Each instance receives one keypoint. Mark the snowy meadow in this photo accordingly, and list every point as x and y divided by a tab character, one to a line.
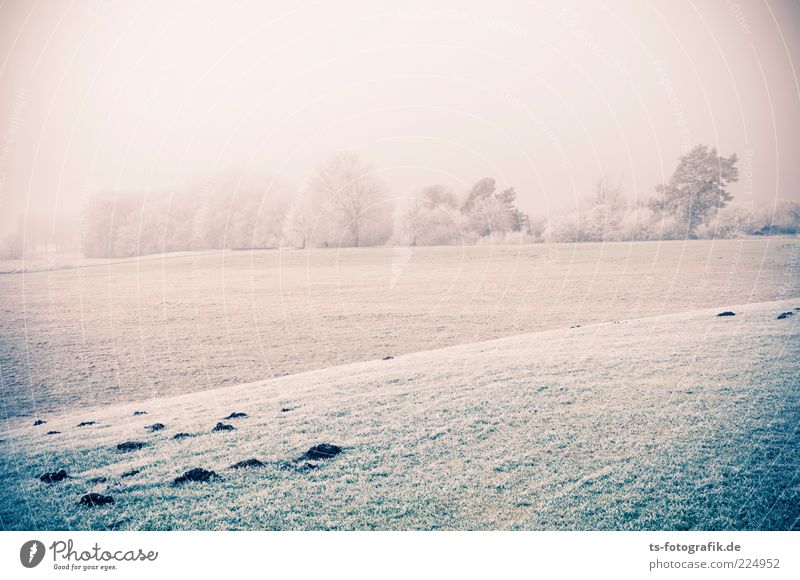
565	386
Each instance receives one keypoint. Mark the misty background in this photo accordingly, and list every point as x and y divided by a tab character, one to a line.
232	111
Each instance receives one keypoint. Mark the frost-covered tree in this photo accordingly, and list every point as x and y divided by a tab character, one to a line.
733	221
439	196
697	189
431	219
96	230
603	213
517	220
490	212
237	210
479	194
228	212
355	200
300	220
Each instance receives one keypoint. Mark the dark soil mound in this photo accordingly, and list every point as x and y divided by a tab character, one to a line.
785	315
247	463
196	474
322	451
181	436
95	499
38	422
155	427
137	413
223	427
96	480
131	473
54	476
54	432
236	415
86	423
727	313
130	446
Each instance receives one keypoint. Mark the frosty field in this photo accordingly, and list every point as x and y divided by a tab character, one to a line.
540	387
684	421
134	330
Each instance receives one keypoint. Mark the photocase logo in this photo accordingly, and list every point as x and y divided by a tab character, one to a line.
31	553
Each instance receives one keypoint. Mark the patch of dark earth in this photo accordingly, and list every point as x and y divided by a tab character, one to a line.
54	476
130	446
248	464
236	415
196	474
322	451
95	500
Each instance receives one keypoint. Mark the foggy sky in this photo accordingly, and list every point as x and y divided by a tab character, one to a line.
545	96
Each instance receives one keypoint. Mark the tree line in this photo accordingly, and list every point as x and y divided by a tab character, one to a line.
347	204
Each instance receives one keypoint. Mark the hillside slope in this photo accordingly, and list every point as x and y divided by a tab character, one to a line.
686	421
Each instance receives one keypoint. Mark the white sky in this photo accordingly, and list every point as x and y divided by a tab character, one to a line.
545	96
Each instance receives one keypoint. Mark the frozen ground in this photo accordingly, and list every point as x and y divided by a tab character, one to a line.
95	336
46	261
680	421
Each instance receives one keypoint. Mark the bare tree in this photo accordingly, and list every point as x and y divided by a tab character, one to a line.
603	212
346	185
412	222
300	221
609	195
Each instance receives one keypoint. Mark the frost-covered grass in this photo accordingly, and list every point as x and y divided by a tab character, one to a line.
680	421
47	261
102	335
